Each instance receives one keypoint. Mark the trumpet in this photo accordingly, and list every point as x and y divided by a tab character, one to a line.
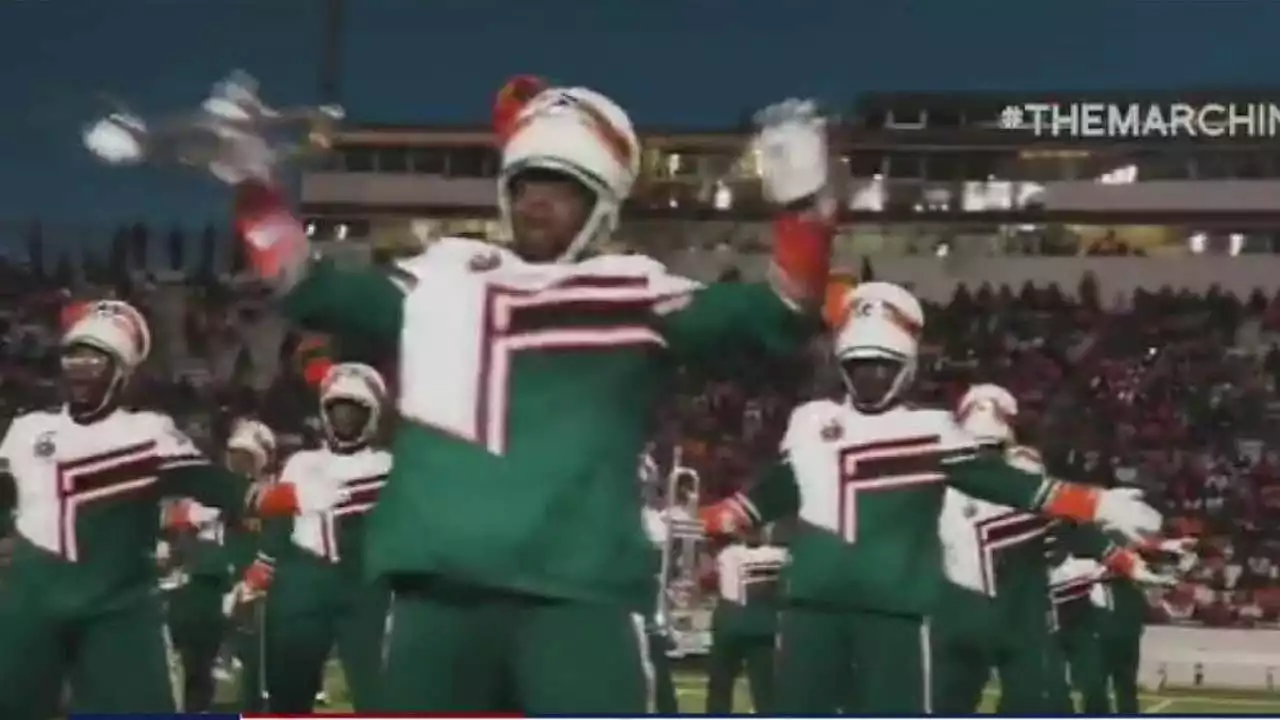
679	593
231	122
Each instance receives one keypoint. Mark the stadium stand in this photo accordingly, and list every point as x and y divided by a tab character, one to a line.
1168	390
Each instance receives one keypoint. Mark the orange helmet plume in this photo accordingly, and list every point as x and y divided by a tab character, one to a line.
512	98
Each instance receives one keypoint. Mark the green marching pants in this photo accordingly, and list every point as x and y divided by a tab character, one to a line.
314	606
1082	647
457	647
248	639
734	648
1120	653
974	634
196	626
658	650
862	662
1122	624
1058	691
115	658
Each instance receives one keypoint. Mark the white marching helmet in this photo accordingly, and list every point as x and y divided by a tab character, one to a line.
884	321
584	135
988	412
254	438
112	326
357	383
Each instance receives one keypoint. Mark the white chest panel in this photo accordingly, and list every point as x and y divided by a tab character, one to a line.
974	531
740	566
362	473
465	298
60	466
826	442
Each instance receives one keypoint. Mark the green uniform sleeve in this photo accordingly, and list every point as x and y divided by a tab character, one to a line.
989	477
274	539
242	543
361	304
209	485
774	496
1129	612
1085	541
732	316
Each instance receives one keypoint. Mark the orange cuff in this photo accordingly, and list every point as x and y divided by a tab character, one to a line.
277	500
315	370
802	254
259	575
723	518
177	515
1121	562
1072	501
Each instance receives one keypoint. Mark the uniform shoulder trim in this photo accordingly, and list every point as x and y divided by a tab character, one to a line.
296	463
155	422
1024	458
808	420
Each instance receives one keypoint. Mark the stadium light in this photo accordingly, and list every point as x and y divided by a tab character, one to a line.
723	198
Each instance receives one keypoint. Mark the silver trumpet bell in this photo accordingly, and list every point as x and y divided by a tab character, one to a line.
232	130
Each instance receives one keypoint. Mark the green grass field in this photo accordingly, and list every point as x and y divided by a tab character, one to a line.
691	689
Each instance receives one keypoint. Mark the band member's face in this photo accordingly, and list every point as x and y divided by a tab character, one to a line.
547	211
347	418
87	373
242	462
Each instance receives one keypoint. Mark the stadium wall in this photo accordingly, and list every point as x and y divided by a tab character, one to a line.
1174	656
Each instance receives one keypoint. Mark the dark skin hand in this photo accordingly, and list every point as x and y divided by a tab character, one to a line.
548	209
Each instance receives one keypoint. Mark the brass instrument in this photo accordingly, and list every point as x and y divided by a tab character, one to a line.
681	606
218	133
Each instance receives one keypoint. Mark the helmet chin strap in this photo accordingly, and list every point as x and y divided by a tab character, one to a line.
600	222
596	226
362	439
110	394
900	382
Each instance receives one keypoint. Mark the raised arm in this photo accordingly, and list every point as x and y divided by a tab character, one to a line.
716	322
1018	479
316	294
781	315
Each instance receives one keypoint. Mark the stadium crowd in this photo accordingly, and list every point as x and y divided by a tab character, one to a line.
1167	390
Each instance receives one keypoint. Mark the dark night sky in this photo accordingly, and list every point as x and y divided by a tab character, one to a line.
671	62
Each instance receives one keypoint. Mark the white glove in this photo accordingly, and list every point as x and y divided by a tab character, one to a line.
202	515
314	497
1144	575
792	144
1122	510
1183	548
115	139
